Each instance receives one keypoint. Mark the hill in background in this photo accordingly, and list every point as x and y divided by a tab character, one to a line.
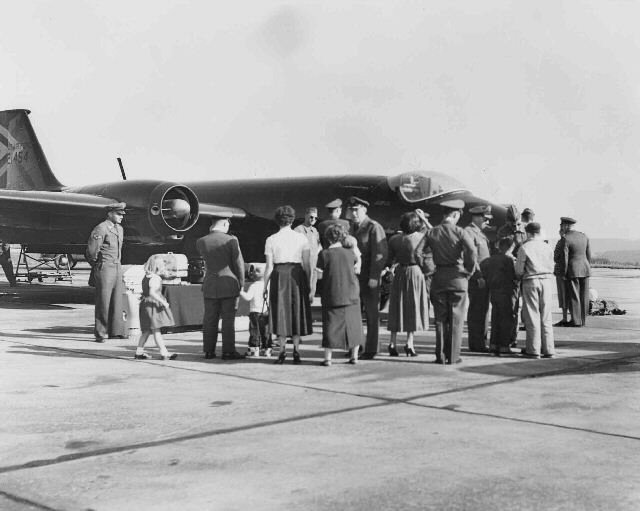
611	250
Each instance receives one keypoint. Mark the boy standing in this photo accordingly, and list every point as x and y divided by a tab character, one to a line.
500	276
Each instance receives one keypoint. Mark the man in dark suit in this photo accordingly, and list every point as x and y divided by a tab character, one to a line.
575	266
372	242
454	255
223	280
104	250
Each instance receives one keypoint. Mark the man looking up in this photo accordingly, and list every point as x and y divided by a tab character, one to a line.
455	258
478	291
104	250
372	242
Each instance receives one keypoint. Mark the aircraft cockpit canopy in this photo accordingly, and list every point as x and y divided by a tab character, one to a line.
418	186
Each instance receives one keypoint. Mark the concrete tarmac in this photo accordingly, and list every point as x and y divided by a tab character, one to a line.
86	427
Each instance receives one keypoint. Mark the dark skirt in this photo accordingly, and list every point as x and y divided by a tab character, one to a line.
154	315
342	327
289	308
409	301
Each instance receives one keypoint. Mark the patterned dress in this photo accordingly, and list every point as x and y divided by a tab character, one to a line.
153	314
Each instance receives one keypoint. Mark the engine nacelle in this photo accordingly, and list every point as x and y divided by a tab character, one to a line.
157	211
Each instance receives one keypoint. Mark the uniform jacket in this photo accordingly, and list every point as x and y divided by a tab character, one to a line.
372	242
105	243
314	241
481	243
452	248
575	255
224	265
322	227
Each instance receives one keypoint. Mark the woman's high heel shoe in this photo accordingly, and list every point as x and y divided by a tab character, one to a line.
296	357
280	359
393	352
410	352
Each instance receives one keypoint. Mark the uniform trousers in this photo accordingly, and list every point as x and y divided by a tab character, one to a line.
562	292
370	299
477	316
449	298
214	310
577	299
537	295
504	316
109	300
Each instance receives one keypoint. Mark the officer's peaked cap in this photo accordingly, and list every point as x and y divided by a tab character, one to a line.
337	203
453	204
354	201
567	220
118	207
484	210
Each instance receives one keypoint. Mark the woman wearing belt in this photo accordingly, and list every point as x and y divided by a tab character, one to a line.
409	301
287	273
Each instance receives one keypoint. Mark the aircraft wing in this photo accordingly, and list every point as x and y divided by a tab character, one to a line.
75	203
216	210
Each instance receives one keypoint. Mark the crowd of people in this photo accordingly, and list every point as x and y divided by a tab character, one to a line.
454	269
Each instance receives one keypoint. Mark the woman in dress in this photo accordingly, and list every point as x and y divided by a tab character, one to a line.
287	275
341	317
408	301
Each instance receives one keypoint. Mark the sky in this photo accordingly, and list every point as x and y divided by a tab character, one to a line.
532	103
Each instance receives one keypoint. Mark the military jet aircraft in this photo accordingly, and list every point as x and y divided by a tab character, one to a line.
37	211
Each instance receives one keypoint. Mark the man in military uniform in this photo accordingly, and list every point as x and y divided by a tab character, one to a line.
311	233
7	264
478	291
454	255
334	210
103	253
513	230
575	267
223	280
372	243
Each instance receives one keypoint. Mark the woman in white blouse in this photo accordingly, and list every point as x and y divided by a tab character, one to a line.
287	274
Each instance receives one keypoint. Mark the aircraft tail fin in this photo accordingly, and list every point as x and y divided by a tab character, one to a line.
23	165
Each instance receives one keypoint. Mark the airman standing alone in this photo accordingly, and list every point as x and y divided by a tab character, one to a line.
104	251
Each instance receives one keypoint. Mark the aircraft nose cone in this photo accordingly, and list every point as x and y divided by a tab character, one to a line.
176	208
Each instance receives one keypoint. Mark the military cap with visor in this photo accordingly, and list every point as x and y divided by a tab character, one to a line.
354	202
116	207
337	203
567	220
482	210
454	204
